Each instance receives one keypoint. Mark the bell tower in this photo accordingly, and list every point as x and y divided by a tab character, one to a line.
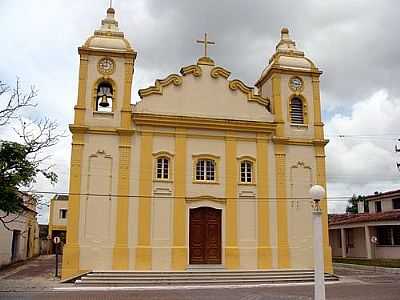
103	109
291	81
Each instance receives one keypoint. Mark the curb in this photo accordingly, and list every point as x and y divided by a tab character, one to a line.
369	268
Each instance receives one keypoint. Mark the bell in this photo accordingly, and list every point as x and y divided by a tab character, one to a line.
104	102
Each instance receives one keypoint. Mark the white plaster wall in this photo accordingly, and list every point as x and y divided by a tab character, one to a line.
204	96
21	224
334	239
57	205
392	252
300	177
196	146
98	213
358	249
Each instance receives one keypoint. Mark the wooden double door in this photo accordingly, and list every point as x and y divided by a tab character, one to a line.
205	236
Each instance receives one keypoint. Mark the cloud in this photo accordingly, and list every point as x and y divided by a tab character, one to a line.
363	160
354	43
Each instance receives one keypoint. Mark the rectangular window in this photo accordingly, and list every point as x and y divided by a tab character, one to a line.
384	235
205	170
162	171
378	206
396	203
396	235
63	213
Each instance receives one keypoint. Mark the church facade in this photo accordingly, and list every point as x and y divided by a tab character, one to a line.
203	170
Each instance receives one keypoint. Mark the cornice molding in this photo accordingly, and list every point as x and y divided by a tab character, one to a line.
107	52
220	72
145	119
251	96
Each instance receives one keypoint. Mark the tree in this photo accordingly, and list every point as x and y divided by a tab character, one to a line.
21	162
352	206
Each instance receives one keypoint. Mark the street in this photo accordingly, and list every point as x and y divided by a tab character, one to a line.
34	281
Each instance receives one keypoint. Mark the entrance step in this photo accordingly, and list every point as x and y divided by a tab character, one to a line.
197	277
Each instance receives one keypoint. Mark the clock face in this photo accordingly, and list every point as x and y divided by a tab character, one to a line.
106	66
296	84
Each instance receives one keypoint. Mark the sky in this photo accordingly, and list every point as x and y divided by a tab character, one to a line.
354	42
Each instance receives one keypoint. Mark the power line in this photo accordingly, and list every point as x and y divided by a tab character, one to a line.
245	198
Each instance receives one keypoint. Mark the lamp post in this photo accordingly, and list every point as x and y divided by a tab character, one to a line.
317	193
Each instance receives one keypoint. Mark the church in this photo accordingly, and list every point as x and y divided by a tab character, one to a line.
202	171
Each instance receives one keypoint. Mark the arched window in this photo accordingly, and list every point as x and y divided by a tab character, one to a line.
205	170
162	170
104	97
296	111
246	171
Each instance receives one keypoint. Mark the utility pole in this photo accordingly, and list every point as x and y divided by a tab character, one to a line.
397	149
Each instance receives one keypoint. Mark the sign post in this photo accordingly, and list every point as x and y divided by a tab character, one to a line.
56	241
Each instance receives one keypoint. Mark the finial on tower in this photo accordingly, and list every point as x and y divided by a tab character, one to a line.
111	10
284	33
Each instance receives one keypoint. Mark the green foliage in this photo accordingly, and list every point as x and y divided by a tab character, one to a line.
17	170
352	206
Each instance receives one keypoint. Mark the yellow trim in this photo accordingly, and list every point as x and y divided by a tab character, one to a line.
80	107
321	175
264	251
232	256
70	263
121	252
304	107
202	123
192	69
240	159
170	158
143	249
205	198
220	72
179	249
160	84
128	53
196	158
126	111
281	207
277	105
251	96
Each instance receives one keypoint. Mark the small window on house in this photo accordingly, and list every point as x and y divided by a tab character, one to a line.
162	170
378	206
205	170
396	203
296	111
384	235
104	97
63	213
246	171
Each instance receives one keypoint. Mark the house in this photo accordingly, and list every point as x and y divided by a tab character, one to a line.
19	234
58	214
202	170
373	234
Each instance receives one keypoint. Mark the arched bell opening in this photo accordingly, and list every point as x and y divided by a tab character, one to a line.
104	97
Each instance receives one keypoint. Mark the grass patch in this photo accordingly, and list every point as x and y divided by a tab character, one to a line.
387	263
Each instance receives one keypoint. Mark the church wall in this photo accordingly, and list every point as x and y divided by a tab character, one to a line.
272	204
162	208
247	210
300	177
133	201
98	212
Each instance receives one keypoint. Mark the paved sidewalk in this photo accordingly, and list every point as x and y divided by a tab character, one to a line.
36	274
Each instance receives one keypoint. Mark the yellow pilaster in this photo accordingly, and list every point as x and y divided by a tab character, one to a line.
121	251
80	107
281	207
264	252
280	175
321	175
179	250
232	258
70	264
143	249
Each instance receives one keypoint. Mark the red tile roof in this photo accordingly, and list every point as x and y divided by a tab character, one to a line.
393	215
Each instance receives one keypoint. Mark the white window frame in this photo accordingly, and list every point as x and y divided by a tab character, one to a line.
246	171
206	170
163	169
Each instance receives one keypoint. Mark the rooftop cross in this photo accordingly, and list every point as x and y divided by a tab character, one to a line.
206	42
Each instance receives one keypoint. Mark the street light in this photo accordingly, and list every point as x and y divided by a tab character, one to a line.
317	193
